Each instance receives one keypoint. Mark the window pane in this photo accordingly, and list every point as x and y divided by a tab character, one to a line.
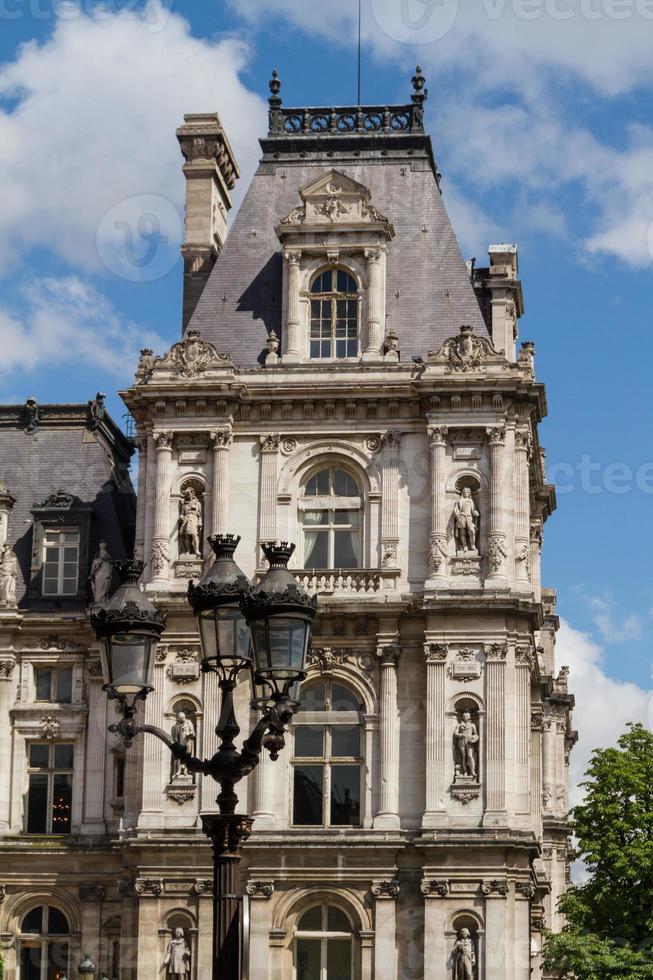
33	921
57	923
63	756
316	549
313	518
348	517
308	794
318	485
64	685
313	698
37	804
308	953
311	921
345	740
62	796
337	921
342	699
344	485
30	963
345	795
309	741
339	959
345	549
57	961
345	283
39	755
43	683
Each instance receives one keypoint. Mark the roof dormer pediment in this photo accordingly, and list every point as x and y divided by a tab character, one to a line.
335	199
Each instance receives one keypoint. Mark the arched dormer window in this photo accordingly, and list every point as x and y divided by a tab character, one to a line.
334	329
330	514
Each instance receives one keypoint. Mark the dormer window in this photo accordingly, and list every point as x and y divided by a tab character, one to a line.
335	303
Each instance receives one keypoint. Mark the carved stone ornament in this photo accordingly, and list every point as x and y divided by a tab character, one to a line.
326	658
288	446
464	353
496	651
270	443
148	886
389	554
49	727
525	656
60	501
192	356
160	556
181	793
437	551
260	889
372	444
437	435
466	666
7	668
496	553
465	789
527	890
3	892
385	889
436	652
466	566
495	888
201	886
430	887
388	655
221	438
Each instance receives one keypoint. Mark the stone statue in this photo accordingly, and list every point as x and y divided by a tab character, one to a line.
190	523
464	956
101	574
466	522
8	575
466	737
183	732
177	956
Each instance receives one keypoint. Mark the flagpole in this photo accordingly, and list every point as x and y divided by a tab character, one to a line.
360	3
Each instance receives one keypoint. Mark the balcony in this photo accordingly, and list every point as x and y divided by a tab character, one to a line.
348	581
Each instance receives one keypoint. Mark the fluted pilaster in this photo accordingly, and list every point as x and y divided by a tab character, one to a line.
436	665
160	556
388	814
522	509
221	441
293	347
497	549
438	537
495	685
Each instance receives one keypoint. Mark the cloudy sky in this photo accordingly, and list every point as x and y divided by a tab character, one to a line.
540	112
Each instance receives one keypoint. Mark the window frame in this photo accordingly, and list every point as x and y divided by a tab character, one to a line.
324	935
59	531
50	771
43	940
327	719
55	670
334	296
329	503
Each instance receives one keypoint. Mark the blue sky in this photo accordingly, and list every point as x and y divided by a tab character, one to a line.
540	113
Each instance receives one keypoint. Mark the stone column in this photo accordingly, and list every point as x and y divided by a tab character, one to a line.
495	753
537	539
436	664
388	814
268	496
522	509
264	776
523	662
260	893
293	351
151	814
549	764
7	698
94	781
385	929
438	537
536	773
221	441
211	700
495	932
141	500
160	556
497	549
375	305
390	442
435	942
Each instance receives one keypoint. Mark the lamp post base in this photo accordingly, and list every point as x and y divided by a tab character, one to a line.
226	832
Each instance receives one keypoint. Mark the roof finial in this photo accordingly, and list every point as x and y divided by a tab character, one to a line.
275	87
419	82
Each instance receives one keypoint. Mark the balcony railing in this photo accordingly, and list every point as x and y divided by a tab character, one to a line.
346	120
347	581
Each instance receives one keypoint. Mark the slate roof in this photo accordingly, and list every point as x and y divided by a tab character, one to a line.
69	449
429	294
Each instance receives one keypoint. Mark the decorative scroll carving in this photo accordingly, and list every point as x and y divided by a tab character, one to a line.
151	886
50	727
495	888
326	658
201	885
260	889
192	356
385	889
432	887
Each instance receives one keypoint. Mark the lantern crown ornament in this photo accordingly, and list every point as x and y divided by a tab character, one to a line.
128	628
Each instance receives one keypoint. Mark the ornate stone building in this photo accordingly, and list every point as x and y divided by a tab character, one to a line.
344	381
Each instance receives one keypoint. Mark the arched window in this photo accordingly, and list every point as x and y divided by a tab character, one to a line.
44	944
334	315
327	758
323	945
330	511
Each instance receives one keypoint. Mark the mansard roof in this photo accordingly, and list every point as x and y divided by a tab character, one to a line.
386	151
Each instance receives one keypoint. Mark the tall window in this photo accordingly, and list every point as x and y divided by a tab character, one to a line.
330	510
60	562
44	944
54	684
327	758
50	793
334	315
323	945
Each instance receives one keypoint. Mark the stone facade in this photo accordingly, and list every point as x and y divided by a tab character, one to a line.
422	791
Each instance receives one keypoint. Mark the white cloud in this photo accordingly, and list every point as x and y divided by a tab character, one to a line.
68	322
90	121
629	628
603	706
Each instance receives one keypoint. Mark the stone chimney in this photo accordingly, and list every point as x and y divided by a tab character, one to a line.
211	172
507	303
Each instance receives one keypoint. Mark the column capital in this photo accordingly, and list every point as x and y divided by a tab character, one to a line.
373	255
525	657
523	441
496	652
436	652
293	256
499	888
260	889
221	438
496	435
270	443
391	439
385	889
437	435
430	888
163	440
7	665
388	654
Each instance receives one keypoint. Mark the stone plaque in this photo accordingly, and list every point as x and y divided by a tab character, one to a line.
189	568
466	452
184	671
464	887
469	565
465	668
192	455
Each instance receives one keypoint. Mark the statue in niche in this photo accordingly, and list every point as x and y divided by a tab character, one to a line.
101	574
466	739
464	956
183	732
190	523
177	958
8	575
466	517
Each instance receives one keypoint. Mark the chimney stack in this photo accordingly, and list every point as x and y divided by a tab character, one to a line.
211	172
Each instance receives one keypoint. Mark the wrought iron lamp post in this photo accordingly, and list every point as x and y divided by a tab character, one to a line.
272	621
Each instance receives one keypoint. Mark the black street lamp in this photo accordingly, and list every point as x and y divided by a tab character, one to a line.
272	621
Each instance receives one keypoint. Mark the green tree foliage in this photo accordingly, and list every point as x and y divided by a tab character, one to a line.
610	917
